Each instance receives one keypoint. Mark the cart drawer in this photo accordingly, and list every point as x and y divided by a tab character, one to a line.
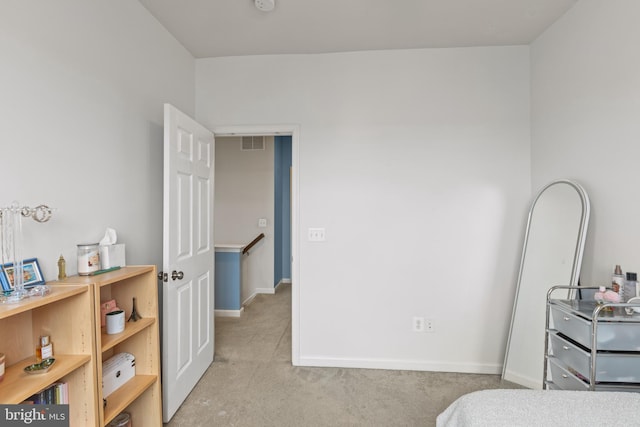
611	336
610	367
563	379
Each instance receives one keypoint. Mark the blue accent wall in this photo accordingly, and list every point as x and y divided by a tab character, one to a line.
282	214
228	280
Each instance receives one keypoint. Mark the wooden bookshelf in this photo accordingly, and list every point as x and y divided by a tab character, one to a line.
66	315
140	396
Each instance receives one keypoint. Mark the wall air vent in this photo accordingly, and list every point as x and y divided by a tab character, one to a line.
252	143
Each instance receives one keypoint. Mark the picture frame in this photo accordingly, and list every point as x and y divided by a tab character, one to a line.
31	272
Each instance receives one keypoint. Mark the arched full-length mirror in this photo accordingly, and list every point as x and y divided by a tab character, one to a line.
551	255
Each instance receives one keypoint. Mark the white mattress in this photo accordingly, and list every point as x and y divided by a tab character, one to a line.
537	408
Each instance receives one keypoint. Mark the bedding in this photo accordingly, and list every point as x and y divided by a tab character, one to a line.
537	408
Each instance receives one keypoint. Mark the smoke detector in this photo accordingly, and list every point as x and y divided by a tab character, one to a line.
265	5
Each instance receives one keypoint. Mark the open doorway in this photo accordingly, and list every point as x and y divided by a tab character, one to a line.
293	133
282	210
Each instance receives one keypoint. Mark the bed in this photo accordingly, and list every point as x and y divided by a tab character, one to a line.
536	408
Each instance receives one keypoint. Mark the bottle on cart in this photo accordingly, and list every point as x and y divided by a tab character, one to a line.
631	286
617	283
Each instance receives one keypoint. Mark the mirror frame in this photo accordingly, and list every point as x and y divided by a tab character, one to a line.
575	269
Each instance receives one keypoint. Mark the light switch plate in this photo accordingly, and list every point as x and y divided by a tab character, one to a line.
262	222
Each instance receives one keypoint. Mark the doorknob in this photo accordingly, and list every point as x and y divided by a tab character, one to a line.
177	275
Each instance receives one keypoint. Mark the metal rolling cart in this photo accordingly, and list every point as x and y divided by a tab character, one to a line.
591	346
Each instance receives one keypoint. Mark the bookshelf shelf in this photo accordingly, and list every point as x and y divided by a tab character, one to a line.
18	385
131	328
125	395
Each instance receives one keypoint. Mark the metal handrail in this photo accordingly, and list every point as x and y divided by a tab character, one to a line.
252	244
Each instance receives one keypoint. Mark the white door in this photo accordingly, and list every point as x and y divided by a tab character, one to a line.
188	257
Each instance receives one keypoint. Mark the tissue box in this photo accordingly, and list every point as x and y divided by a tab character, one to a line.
112	256
116	371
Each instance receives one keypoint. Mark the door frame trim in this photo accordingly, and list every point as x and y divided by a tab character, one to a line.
294	131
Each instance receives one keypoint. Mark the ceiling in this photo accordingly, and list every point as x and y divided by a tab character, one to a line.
211	28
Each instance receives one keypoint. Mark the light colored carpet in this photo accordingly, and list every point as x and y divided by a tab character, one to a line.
252	382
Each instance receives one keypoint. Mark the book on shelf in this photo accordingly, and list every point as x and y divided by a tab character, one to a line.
55	394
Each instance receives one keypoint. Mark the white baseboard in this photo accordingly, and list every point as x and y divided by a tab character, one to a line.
228	313
401	365
267	291
249	300
272	290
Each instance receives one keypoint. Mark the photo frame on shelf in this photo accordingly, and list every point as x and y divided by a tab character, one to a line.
31	273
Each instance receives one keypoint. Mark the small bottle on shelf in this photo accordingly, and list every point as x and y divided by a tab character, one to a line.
44	350
62	266
617	282
631	286
599	296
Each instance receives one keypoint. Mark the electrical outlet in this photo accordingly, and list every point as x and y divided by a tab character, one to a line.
316	235
429	326
418	324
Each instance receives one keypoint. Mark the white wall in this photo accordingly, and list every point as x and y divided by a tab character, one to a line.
245	193
417	164
585	110
82	87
